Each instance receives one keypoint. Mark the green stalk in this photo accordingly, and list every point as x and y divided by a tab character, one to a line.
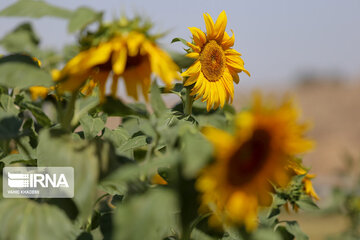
188	102
69	112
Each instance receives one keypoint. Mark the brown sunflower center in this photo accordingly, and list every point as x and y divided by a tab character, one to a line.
212	59
249	158
134	61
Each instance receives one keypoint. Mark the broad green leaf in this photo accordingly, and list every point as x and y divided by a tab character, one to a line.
196	152
91	126
132	143
82	17
115	107
7	103
293	228
306	203
151	216
83	106
266	234
156	100
9	128
38	113
22	75
117	136
117	182
26	219
34	9
181	60
12	158
199	235
21	39
89	160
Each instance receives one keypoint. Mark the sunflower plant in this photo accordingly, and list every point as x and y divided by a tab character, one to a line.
197	169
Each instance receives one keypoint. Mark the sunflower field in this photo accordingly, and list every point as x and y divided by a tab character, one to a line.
180	161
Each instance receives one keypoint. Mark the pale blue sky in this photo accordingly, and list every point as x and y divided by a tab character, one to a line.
278	38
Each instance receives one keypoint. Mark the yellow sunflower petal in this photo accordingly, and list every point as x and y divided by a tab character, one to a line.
220	26
193	69
198	36
193	55
228	41
210	29
119	61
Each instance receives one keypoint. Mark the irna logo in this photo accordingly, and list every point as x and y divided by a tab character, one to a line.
19	180
38	182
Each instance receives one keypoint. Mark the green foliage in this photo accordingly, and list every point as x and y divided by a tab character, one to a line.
82	17
34	9
16	73
22	218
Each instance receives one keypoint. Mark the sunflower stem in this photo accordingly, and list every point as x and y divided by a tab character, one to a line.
69	112
188	102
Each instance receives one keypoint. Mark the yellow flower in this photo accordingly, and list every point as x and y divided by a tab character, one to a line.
131	56
238	182
217	65
39	92
297	169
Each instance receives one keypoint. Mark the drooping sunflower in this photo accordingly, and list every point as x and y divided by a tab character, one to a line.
296	168
217	65
132	56
238	182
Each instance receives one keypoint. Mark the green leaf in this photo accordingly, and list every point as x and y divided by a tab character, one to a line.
22	75
194	144
133	143
27	219
89	160
117	182
83	106
156	100
21	39
179	40
9	128
115	107
293	228
39	115
12	158
7	103
82	17
149	216
117	136
91	126
266	234
306	203
34	9
199	235
181	60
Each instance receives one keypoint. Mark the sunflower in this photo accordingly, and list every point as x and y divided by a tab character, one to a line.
238	182
217	65
130	55
296	168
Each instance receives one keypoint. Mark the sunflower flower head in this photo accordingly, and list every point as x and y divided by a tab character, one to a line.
216	66
248	161
123	49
